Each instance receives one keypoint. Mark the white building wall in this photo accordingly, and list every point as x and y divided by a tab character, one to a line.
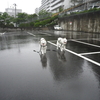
37	11
11	11
67	4
54	5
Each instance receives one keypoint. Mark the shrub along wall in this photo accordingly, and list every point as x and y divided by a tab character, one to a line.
86	22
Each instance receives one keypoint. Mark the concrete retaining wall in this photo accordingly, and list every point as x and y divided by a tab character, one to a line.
89	22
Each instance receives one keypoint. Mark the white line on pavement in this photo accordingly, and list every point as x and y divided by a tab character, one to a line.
89	53
86	43
46	34
94	62
30	33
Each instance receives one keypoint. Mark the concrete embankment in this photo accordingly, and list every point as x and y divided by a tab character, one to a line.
87	22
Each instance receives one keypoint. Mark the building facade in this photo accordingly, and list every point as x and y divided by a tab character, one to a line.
55	5
12	11
37	11
51	5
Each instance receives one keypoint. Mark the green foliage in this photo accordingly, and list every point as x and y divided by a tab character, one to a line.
9	25
74	13
26	25
5	15
51	24
43	12
22	25
46	22
5	20
21	17
60	9
31	16
25	21
37	24
31	24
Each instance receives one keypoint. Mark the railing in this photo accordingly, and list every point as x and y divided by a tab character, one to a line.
62	15
54	3
56	6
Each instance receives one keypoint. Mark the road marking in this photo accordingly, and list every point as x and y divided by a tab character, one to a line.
94	62
98	39
30	33
86	43
46	34
89	53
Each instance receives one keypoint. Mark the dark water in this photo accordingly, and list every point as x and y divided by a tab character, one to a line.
26	75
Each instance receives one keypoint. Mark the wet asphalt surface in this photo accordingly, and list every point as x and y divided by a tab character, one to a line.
27	75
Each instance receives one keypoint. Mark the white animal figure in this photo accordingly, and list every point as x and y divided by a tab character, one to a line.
43	46
61	43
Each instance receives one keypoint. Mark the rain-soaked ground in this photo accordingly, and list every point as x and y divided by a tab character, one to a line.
27	75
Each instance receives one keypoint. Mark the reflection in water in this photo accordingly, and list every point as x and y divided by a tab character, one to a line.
76	35
96	72
43	60
8	41
21	79
76	75
63	70
3	40
61	55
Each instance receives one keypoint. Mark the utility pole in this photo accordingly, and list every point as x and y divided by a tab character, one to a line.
15	14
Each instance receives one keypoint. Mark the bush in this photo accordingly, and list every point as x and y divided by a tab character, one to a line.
45	22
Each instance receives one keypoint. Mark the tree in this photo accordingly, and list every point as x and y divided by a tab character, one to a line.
22	26
21	17
43	12
4	19
31	17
